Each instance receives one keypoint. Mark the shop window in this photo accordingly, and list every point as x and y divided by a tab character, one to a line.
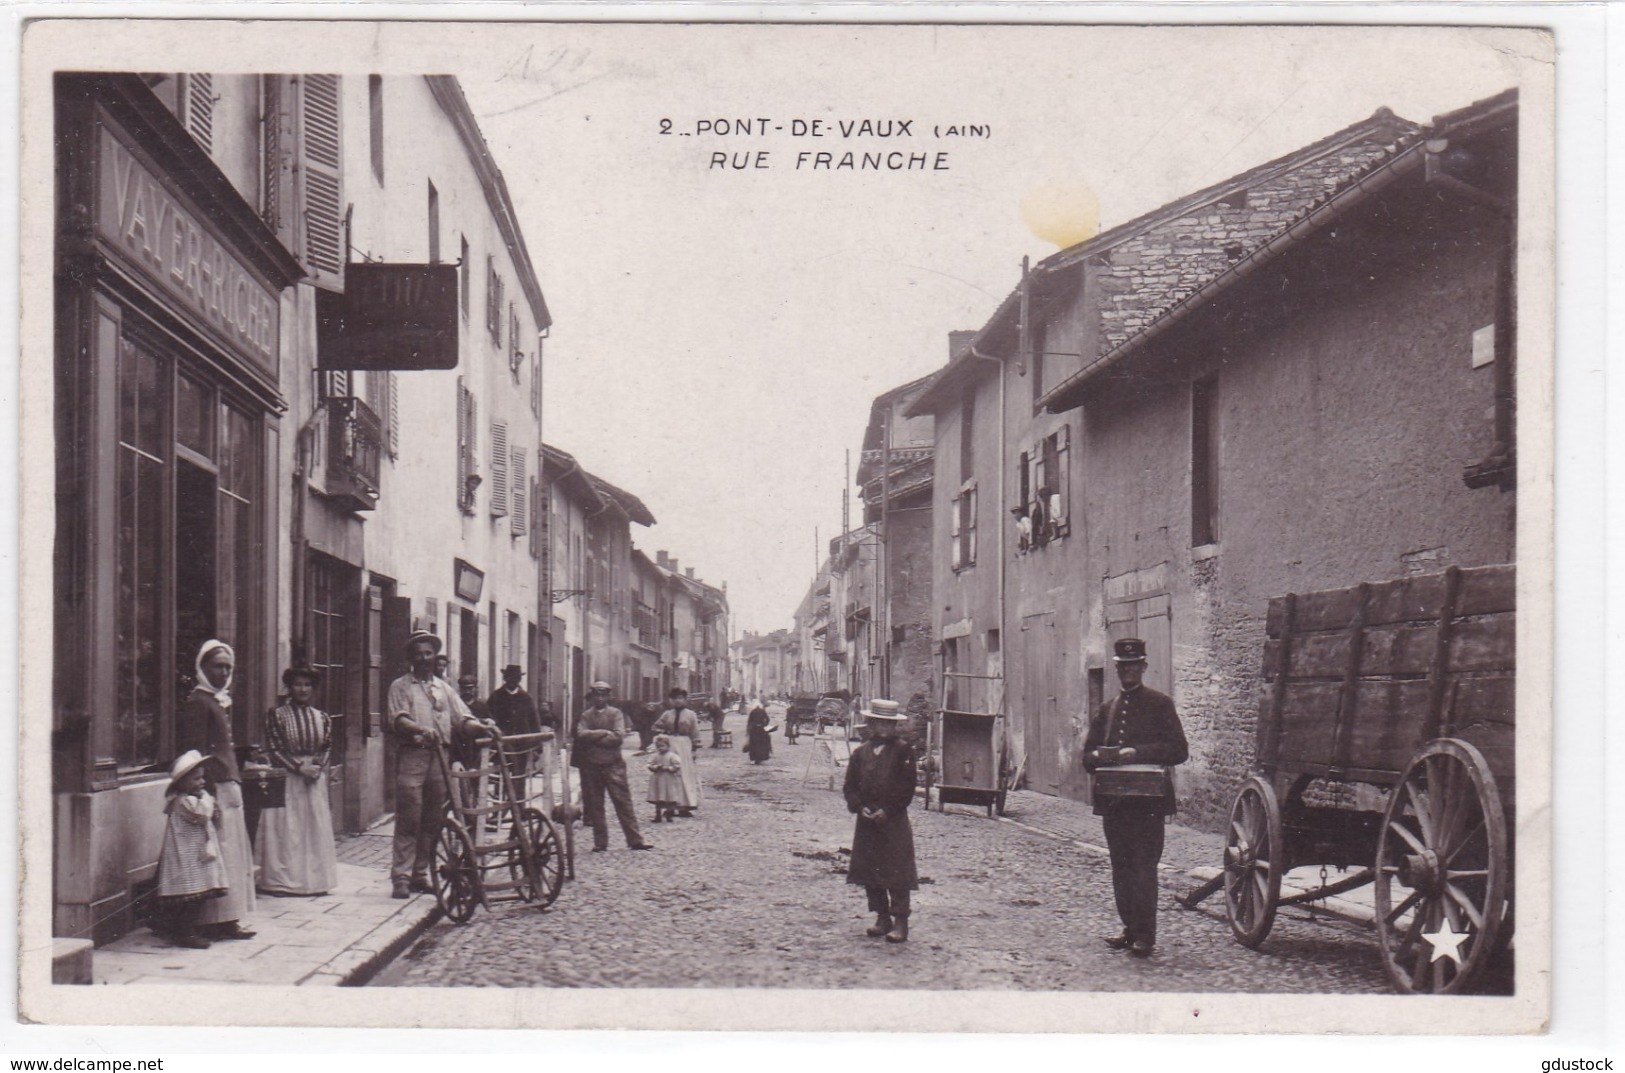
190	559
335	613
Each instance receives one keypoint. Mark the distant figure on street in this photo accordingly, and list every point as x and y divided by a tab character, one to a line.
758	736
423	713
596	753
643	721
466	750
442	668
190	872
679	722
1138	726
718	716
665	779
880	781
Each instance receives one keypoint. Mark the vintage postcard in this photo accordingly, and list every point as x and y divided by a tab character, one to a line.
915	527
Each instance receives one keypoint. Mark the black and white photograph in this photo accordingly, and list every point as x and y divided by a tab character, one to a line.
1049	525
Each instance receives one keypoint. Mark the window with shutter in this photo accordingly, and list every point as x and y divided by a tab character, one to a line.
536	380
463	273
499	469
493	301
198	105
467	468
521	491
320	176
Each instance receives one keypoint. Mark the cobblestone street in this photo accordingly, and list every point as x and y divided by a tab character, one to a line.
750	893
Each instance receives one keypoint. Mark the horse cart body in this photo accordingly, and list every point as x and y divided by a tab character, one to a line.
1385	740
497	843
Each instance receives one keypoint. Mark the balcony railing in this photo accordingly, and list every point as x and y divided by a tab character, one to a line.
354	452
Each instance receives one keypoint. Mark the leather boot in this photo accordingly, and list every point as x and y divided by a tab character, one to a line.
881	926
899	931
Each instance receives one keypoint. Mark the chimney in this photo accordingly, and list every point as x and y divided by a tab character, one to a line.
958	341
689	573
671	564
662	560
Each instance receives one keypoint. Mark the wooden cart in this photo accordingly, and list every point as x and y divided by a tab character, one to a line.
1385	739
497	842
967	754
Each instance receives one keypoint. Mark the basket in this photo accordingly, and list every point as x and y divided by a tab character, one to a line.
265	788
1132	780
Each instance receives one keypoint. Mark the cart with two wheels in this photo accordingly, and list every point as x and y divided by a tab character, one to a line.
1385	741
497	843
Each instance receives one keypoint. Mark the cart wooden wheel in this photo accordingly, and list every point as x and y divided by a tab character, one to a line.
1253	862
455	875
1441	871
543	880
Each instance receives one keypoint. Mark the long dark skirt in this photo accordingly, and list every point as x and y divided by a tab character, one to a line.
759	745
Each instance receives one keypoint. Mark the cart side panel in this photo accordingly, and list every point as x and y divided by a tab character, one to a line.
1308	719
968	757
1487	590
1483	645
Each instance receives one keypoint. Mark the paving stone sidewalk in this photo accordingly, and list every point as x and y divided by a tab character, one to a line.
340	938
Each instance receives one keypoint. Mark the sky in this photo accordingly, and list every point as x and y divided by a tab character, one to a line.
719	334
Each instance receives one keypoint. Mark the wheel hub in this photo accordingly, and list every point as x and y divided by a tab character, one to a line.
1421	871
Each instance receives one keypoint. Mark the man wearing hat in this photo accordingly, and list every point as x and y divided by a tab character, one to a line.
880	781
511	706
596	752
423	711
1138	726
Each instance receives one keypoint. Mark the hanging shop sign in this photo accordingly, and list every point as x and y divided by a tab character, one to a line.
389	316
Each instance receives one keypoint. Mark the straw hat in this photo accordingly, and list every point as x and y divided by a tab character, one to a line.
888	711
183	766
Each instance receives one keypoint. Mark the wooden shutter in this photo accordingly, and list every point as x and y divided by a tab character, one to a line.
394	416
521	491
198	105
320	169
499	468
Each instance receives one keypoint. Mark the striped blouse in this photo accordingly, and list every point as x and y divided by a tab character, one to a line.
297	733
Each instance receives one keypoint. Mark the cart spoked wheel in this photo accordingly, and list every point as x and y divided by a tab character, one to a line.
543	880
455	878
1441	871
1253	862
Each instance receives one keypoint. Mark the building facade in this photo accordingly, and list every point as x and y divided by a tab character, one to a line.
223	472
1045	545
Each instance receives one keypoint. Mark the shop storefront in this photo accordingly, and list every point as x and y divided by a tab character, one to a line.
168	404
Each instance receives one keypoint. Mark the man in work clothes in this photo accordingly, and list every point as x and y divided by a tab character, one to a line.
1138	726
597	754
880	781
423	712
511	707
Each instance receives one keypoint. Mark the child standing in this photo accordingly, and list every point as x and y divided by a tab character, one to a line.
665	779
190	871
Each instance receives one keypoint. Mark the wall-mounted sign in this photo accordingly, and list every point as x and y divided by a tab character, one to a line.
469	582
148	225
390	316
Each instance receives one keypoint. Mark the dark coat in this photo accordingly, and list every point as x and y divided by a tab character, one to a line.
202	724
1145	720
882	853
514	713
758	742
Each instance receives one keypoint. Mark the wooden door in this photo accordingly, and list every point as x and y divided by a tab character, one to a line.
1150	619
1040	713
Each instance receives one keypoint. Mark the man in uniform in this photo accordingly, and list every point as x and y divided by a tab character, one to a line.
423	712
1138	726
596	752
511	706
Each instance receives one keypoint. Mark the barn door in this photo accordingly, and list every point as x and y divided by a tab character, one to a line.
1040	711
1148	618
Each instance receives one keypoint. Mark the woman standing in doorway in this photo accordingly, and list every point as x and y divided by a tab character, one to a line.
204	724
295	850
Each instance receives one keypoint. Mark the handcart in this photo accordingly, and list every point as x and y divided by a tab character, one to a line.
967	757
1386	740
497	843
